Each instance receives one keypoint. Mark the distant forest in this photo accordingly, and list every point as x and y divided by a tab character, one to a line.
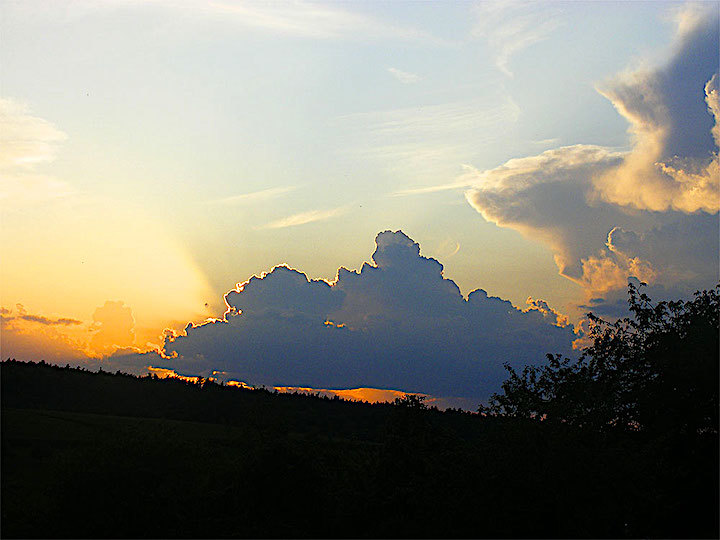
620	443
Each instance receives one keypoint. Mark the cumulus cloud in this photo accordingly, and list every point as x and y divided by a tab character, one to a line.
548	198
548	312
396	324
673	114
27	336
650	212
113	327
684	250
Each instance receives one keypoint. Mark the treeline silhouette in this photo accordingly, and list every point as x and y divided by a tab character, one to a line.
620	443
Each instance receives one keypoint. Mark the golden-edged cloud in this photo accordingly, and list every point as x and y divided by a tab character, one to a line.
599	210
662	172
397	323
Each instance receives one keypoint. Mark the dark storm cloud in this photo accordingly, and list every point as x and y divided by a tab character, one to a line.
396	323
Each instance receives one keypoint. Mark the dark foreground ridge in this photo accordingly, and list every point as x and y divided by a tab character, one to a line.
101	455
621	443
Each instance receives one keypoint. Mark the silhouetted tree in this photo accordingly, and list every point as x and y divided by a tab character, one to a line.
411	401
655	370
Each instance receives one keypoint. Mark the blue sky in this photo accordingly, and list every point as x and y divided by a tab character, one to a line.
159	152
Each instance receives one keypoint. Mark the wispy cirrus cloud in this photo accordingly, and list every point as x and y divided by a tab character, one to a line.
254	196
420	122
553	141
303	218
315	20
460	184
293	18
26	142
511	26
422	142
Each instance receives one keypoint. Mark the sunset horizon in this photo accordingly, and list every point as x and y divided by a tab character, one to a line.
557	222
405	228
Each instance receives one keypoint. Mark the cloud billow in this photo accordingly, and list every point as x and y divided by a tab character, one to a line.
396	323
650	212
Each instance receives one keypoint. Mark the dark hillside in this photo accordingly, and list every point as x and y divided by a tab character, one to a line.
45	386
109	455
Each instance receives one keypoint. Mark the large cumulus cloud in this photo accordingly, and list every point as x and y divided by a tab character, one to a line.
396	323
672	111
650	212
547	197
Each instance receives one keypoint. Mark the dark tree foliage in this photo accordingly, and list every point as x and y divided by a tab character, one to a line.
655	372
411	401
645	394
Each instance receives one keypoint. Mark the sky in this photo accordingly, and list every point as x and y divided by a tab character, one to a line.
156	155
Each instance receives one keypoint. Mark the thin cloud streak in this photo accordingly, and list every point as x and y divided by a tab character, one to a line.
6	315
554	141
431	189
419	122
298	18
404	77
50	322
464	181
253	197
304	217
425	142
315	20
